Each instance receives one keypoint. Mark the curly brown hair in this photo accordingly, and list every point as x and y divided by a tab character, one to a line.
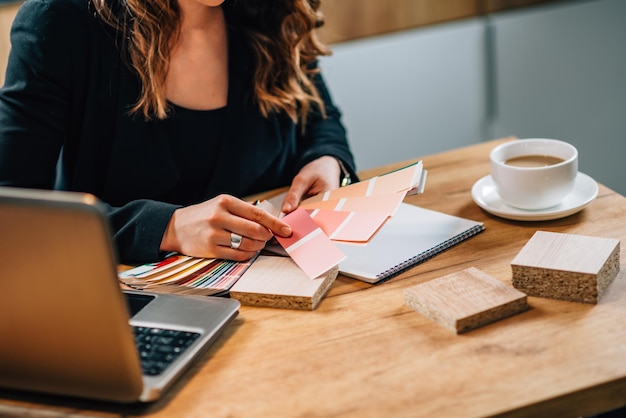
280	32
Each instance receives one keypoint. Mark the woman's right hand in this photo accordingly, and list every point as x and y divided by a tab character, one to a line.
204	230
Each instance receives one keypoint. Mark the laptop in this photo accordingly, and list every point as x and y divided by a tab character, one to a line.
67	326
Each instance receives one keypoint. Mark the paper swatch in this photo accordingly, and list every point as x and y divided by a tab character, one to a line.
348	226
403	180
186	275
308	246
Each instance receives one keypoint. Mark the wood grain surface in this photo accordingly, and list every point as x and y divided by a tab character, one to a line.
278	282
347	20
465	300
364	353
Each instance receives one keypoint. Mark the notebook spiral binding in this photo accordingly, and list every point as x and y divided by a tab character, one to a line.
423	256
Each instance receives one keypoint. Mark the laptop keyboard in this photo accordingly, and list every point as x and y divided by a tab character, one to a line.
158	348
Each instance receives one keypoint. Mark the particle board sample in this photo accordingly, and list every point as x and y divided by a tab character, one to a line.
278	282
465	300
565	266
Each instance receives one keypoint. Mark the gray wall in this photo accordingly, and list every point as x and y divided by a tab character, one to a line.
411	93
555	71
561	72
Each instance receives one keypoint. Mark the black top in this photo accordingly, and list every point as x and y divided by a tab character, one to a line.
195	138
67	93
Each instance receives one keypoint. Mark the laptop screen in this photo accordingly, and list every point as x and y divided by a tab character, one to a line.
137	302
77	341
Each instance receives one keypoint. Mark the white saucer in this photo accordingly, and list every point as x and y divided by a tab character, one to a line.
485	195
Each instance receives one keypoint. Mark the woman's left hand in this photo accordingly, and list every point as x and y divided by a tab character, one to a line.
317	176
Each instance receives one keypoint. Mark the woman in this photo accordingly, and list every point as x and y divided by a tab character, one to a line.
168	109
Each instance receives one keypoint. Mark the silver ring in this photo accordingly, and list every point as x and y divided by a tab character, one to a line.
235	240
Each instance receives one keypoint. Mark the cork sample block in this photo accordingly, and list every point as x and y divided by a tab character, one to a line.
565	266
278	282
465	300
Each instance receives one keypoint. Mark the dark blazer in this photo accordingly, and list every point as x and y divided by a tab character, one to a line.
67	93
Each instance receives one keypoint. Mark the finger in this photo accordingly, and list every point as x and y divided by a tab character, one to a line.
243	243
272	223
227	253
254	222
294	194
236	255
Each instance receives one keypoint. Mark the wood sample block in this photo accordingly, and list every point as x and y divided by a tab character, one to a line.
565	266
465	300
278	282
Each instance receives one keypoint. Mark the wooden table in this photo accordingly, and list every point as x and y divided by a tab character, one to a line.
364	353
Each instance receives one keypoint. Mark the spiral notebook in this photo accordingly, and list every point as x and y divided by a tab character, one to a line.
411	236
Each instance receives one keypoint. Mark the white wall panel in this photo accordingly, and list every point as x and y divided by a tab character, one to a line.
560	72
410	93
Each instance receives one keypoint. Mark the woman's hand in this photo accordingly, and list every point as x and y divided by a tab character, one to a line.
204	230
317	176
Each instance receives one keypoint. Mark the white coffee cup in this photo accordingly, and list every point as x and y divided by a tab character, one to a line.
533	174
